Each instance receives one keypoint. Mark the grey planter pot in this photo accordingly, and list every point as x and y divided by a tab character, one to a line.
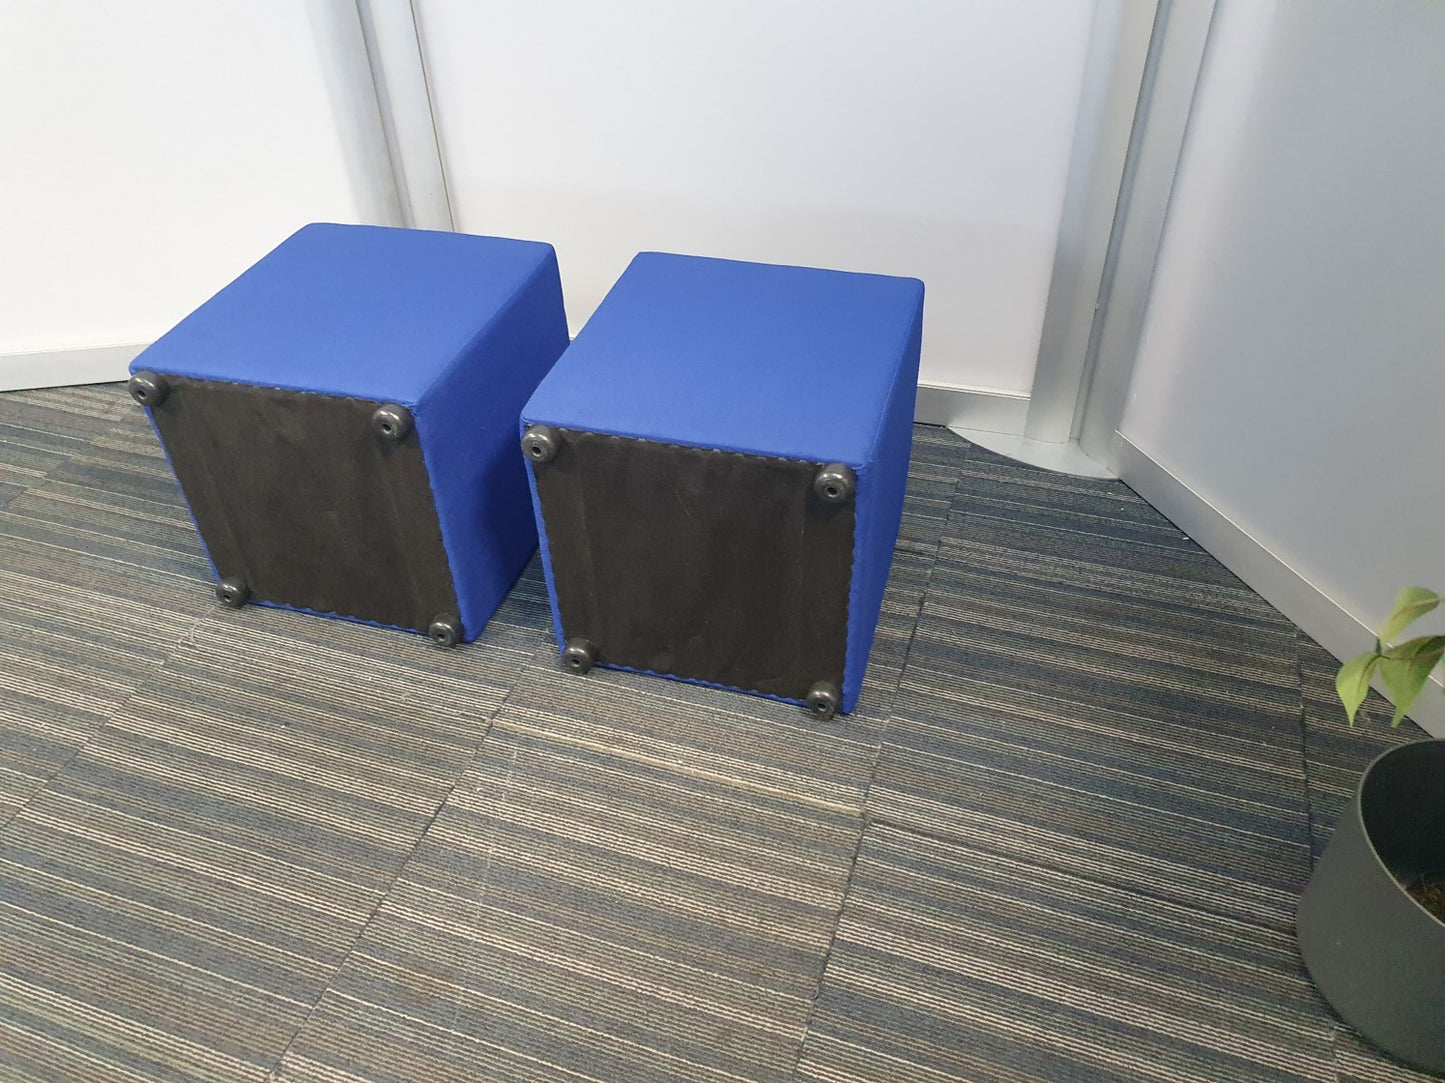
1376	954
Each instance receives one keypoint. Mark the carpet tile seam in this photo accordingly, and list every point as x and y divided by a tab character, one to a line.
385	894
71	758
1033	712
910	831
864	815
715	776
941	730
1138	888
1166	814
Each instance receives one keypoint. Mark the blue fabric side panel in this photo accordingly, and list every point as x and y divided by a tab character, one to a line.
467	423
882	484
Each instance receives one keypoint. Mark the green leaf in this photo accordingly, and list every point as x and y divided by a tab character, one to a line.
1353	682
1412	604
1420	647
1407	667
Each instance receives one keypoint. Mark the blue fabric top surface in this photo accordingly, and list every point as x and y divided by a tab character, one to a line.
786	361
370	312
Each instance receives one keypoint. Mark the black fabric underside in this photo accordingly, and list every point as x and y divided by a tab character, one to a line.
697	563
296	495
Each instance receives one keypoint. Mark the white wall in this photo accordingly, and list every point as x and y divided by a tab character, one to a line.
1292	371
149	151
926	138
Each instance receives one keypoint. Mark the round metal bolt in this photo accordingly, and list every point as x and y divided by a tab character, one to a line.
540	444
835	483
823	700
580	655
392	422
148	388
232	591
445	630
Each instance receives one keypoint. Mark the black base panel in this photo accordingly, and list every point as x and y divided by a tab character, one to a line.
296	495
697	563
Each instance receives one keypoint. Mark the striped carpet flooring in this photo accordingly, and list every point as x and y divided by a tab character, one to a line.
1060	839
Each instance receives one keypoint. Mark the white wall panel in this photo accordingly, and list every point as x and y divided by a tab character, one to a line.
926	138
149	151
1292	371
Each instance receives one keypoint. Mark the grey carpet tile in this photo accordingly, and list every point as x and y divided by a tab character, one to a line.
69	655
39	430
23	465
111	519
893	639
580	910
1133	739
1336	753
94	540
216	847
81	411
1093	533
936	458
932	475
83	558
740	740
1121	581
233	834
56	687
127	463
1172	838
126	468
1103	643
101	963
994	487
97	587
957	963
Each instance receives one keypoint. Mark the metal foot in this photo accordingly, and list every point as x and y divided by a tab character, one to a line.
823	700
541	443
580	655
148	388
835	483
445	630
392	422
232	592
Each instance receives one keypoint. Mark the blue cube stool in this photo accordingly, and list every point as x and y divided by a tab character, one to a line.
342	420
718	466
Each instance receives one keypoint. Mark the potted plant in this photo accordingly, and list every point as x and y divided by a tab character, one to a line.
1371	922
